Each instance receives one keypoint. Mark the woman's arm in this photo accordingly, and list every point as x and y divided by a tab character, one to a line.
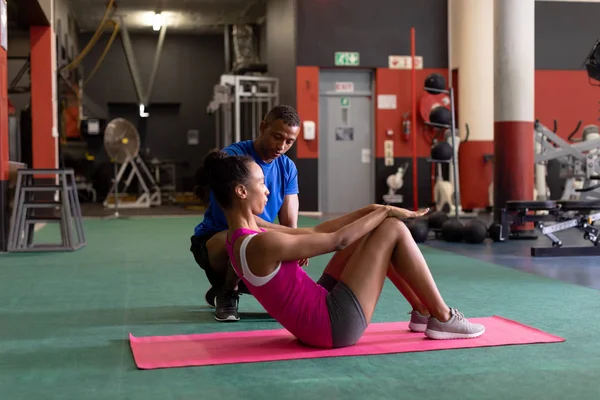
337	223
324	227
275	246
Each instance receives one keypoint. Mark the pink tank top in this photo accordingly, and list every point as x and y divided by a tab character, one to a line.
289	295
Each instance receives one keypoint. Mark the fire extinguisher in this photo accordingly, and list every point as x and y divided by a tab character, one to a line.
406	126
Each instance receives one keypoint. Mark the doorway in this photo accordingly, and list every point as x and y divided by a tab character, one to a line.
346	142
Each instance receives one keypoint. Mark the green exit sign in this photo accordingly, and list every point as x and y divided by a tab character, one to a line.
347	58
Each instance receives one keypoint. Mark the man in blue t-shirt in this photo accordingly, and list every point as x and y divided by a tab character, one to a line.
278	132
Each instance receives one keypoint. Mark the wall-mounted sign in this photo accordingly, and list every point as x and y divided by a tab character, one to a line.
344	87
347	58
404	62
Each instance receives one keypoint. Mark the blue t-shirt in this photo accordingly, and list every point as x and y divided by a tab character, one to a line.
281	178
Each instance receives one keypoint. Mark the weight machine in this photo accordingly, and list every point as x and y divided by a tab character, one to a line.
580	161
239	104
562	215
580	164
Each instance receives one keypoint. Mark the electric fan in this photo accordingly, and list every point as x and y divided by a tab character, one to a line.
122	145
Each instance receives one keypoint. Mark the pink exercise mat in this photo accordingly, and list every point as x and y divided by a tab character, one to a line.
278	344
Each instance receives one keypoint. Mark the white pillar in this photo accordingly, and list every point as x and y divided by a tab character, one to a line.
471	32
472	52
514	53
514	80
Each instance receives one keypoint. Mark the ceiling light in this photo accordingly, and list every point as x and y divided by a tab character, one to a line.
143	112
157	21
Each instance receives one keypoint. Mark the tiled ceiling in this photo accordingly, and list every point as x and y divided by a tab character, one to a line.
185	16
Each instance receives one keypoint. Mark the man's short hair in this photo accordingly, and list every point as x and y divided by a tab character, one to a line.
286	114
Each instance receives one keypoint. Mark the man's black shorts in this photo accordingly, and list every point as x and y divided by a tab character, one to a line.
200	252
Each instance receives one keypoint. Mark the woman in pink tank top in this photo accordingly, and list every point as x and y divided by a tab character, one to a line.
370	244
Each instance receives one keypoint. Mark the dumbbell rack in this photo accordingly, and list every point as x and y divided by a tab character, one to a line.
32	198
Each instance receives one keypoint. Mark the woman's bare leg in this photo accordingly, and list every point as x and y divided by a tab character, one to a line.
340	259
367	267
406	291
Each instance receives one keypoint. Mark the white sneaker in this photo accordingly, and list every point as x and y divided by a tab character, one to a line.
457	327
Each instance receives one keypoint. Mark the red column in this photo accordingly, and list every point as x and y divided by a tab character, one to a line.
4	215
42	105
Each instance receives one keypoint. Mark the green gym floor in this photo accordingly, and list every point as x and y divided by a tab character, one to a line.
65	320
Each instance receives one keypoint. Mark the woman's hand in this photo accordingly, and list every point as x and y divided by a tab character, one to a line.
402	213
303	262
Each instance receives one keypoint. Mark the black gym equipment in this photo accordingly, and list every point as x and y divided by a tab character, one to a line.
418	229
592	63
452	230
441	151
435	83
563	215
440	116
475	232
436	220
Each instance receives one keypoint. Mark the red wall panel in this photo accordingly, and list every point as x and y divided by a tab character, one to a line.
398	82
307	105
41	97
4	145
567	97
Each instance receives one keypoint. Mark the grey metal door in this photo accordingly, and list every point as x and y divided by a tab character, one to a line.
346	136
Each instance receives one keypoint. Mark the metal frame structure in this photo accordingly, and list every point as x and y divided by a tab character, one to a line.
453	142
143	98
581	159
151	193
235	98
24	217
557	214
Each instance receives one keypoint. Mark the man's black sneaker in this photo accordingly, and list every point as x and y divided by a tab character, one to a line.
226	306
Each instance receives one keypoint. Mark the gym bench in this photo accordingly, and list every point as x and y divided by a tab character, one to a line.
567	214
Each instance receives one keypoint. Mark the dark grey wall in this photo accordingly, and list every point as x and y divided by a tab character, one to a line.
19	48
190	67
565	33
278	47
280	38
374	28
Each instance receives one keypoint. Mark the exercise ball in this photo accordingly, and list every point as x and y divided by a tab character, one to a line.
437	219
440	115
435	81
452	230
475	231
418	229
442	151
